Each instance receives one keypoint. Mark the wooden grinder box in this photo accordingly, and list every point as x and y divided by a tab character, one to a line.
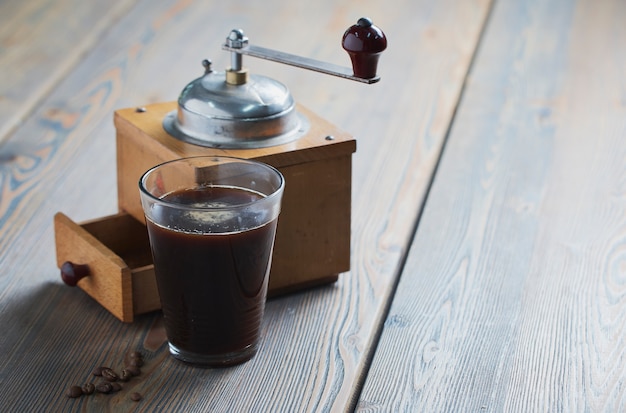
313	236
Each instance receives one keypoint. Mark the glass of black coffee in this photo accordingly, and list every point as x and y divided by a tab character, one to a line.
211	222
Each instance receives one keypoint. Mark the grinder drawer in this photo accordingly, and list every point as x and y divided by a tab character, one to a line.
110	259
112	254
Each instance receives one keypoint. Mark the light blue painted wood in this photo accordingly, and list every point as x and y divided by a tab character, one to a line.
40	43
512	296
62	158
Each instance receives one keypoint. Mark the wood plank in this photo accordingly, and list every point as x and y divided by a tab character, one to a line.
512	296
316	344
40	42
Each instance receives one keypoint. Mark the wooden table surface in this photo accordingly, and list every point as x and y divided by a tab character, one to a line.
488	265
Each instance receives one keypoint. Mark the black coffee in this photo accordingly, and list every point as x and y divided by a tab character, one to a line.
212	283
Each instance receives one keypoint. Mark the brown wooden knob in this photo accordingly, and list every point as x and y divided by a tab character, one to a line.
364	42
71	273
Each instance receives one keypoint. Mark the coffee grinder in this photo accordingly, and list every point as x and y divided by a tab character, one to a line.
229	113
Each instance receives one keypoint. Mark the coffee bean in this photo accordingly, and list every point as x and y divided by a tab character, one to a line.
134	370
126	375
104	387
135	362
109	375
134	358
74	392
97	371
88	388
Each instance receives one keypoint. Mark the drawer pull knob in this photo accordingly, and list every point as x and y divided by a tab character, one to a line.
71	273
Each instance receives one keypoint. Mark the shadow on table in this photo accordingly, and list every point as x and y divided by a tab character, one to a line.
54	336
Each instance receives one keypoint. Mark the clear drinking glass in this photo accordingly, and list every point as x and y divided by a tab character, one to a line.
211	222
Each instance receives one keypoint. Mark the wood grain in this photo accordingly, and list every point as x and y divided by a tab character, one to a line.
316	345
512	296
40	42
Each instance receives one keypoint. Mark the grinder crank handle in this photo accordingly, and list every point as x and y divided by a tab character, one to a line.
363	41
